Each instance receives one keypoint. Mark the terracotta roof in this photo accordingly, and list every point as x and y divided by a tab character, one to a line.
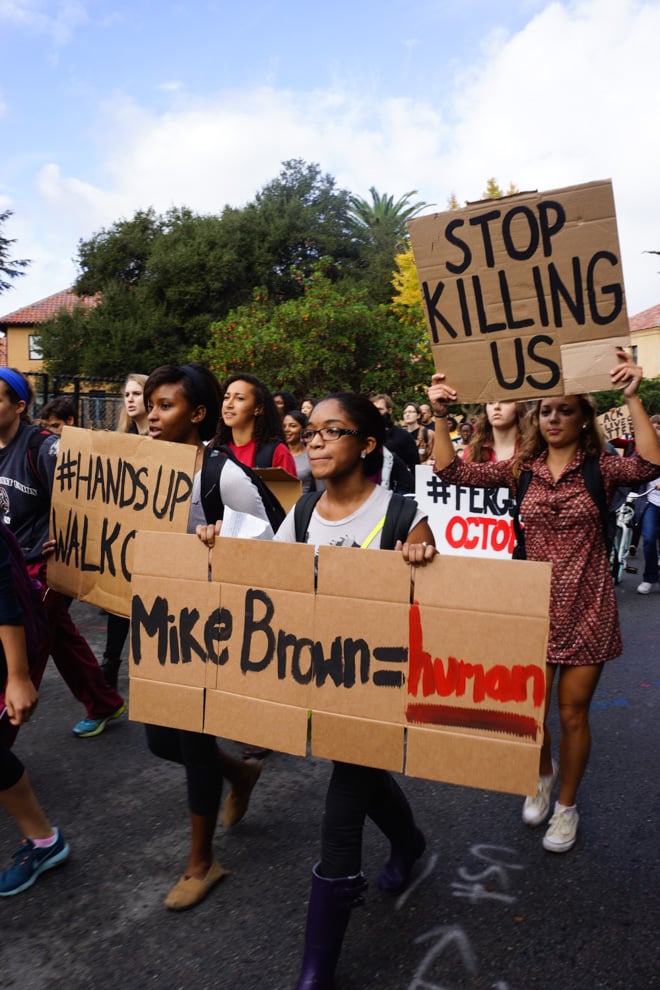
646	319
47	308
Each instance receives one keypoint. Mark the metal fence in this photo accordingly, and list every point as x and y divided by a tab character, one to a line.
98	401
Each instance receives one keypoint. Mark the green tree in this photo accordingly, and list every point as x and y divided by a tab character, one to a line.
379	228
649	393
294	221
9	267
329	337
118	255
164	279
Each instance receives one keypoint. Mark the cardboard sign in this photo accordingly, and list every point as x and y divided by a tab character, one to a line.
474	522
448	685
616	423
524	295
107	487
283	485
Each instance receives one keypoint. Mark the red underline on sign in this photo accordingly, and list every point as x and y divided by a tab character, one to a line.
454	717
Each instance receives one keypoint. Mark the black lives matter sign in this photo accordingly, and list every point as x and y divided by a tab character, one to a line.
524	296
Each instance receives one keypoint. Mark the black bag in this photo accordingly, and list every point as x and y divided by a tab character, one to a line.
214	460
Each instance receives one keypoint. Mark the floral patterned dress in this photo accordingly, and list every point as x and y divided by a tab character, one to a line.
563	526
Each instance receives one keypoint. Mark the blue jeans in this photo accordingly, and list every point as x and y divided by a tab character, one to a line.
650	534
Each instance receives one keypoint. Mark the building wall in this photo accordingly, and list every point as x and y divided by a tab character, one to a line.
647	343
18	349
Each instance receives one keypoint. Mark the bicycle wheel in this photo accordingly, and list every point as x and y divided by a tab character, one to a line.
616	561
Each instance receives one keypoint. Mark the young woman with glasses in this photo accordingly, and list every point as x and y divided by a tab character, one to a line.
344	440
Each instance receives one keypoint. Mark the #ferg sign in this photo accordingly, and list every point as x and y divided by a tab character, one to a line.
524	295
475	522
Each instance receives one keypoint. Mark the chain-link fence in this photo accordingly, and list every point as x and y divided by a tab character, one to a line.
98	401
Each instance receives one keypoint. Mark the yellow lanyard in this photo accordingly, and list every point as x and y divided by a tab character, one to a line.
373	534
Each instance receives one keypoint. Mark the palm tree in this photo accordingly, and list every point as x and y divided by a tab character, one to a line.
379	228
382	222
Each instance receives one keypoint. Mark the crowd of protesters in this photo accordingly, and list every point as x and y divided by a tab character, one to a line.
355	462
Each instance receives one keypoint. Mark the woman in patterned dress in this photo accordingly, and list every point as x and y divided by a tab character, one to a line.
563	525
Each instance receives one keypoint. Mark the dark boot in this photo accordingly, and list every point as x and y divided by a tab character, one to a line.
393	816
110	669
330	905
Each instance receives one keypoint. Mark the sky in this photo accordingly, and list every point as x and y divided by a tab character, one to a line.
107	108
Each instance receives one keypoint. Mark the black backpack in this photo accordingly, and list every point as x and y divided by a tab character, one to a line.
214	460
398	518
593	480
28	593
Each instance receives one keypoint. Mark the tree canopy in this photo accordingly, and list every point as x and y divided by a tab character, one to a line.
165	280
331	337
10	268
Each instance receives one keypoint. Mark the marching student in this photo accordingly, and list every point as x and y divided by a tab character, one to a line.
563	524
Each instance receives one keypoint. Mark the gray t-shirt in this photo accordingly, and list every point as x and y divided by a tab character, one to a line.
352	531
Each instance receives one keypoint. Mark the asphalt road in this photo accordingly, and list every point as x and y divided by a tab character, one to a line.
489	909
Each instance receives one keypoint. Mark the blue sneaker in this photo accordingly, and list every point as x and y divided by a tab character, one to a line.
31	861
95	726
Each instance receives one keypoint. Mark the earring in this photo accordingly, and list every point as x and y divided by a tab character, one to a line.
363	455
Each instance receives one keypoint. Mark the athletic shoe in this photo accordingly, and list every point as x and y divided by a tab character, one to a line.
30	862
537	806
646	587
94	726
562	830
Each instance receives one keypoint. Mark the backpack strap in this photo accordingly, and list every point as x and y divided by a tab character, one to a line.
212	465
593	480
395	525
35	441
398	520
302	513
264	455
521	489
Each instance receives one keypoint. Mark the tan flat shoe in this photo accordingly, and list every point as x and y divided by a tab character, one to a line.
189	891
239	794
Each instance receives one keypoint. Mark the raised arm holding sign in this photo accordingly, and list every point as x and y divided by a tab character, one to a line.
563	526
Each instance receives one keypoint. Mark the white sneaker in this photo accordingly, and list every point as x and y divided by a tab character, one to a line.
645	588
536	806
562	830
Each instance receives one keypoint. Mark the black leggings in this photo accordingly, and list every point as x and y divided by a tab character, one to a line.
200	756
116	635
353	793
11	768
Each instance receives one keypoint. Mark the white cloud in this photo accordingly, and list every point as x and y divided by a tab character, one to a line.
570	98
58	20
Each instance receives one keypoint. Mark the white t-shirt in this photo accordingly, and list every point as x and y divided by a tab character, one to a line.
352	531
238	493
652	492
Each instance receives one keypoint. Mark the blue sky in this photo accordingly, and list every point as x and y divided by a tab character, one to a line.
109	107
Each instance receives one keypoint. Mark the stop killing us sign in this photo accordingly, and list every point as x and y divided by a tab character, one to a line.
524	295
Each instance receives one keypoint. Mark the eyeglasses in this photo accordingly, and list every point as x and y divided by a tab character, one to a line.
328	433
